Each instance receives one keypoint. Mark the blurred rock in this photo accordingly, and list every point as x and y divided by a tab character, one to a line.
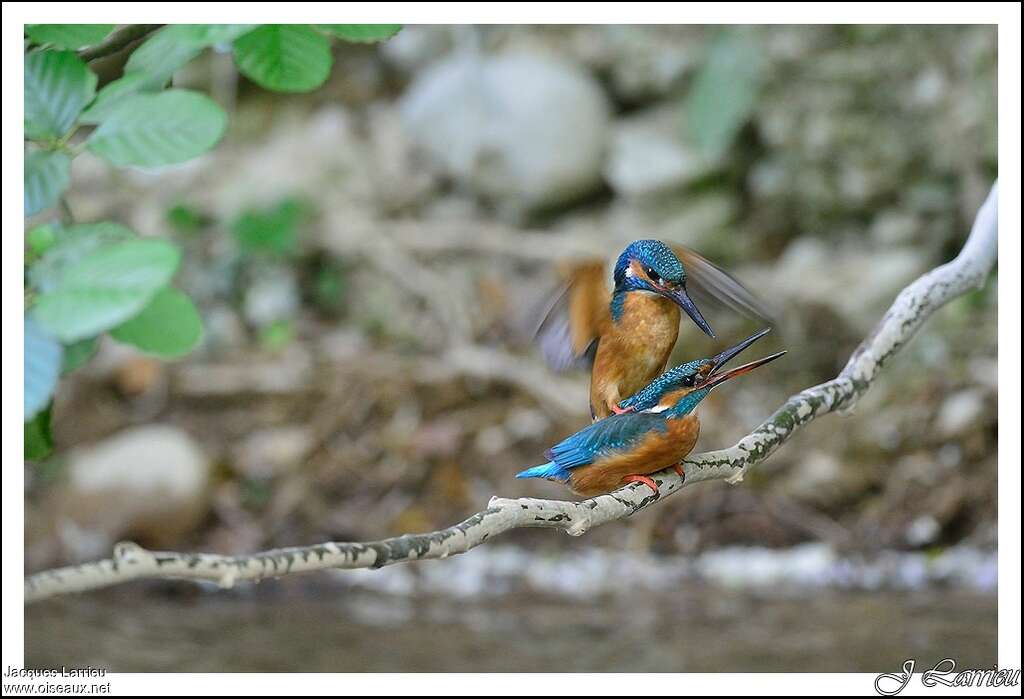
524	130
526	423
416	46
223	329
959	412
923	531
648	155
821	478
399	180
854	281
272	294
985	371
648	61
895	227
148	483
273	451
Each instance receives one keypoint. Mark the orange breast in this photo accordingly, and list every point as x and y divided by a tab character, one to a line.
657	451
633	351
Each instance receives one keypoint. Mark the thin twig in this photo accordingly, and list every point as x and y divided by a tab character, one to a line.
118	40
906	315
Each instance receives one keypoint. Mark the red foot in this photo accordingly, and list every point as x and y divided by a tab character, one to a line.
620	411
642	479
678	468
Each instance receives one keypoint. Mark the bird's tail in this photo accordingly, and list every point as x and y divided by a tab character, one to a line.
551	471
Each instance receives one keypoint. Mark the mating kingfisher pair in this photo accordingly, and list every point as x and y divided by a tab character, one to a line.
644	419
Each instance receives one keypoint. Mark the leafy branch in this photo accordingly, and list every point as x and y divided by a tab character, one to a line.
83	280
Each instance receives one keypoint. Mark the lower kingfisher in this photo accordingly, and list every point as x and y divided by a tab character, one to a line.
629	332
652	430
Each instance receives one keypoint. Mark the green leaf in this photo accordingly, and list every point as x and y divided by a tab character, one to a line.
278	335
42	368
272	231
186	219
40	239
151	65
168	49
57	86
112	94
284	57
724	93
78	353
362	33
47	174
105	288
38	439
149	130
68	246
68	36
169	326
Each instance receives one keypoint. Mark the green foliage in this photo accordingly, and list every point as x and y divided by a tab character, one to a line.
111	95
38	439
104	288
329	287
185	219
169	326
284	57
86	279
57	86
161	129
65	246
68	36
273	231
277	335
724	93
170	48
47	174
39	240
42	368
362	33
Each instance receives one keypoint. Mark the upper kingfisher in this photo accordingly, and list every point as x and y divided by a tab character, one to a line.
652	430
629	332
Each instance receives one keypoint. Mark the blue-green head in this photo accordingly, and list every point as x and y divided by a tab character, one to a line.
693	380
652	266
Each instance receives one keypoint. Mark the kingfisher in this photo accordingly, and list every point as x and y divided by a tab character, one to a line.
651	430
627	334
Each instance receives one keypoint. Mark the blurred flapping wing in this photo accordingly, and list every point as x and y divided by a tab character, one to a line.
571	319
711	285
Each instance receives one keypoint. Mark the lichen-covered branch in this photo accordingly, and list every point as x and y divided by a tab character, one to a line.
909	311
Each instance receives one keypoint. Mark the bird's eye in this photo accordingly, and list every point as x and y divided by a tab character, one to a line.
688	380
655	277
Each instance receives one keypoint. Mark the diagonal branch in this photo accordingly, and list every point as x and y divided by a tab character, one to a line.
118	40
908	312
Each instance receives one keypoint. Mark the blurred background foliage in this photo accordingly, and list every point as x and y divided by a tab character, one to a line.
361	253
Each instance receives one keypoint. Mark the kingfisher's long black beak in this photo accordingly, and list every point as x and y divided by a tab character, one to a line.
716	377
684	301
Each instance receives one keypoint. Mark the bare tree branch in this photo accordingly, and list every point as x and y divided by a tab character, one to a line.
909	311
118	39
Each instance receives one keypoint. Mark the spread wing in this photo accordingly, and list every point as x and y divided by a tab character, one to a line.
573	317
615	433
710	285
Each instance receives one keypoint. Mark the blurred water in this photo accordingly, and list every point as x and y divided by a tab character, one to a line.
509	608
499	570
696	628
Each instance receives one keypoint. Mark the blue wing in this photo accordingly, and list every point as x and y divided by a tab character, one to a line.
615	433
